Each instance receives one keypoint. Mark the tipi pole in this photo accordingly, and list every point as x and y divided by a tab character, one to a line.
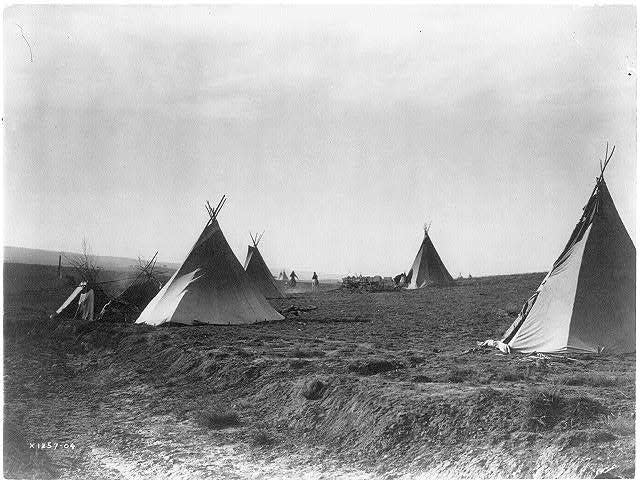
603	166
209	209
607	159
220	205
142	270
214	213
154	263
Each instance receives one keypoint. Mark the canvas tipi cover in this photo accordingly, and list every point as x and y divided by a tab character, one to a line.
210	287
258	271
586	303
427	268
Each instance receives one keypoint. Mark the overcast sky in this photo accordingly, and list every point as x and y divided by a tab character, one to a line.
339	131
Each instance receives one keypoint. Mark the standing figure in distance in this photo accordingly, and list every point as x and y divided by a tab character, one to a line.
292	279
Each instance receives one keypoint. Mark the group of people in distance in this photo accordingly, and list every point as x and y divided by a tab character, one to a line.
293	277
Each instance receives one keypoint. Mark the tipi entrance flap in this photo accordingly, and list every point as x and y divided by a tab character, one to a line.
165	303
71	299
248	259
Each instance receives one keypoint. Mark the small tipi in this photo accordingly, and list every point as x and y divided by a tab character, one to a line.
210	287
427	268
258	271
127	306
586	303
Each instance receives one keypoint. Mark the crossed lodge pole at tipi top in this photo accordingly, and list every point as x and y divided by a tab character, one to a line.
213	214
256	239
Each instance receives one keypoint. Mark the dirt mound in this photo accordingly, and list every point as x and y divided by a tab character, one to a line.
401	431
547	407
314	389
374	366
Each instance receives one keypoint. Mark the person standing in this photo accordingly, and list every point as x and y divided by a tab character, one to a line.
292	278
86	301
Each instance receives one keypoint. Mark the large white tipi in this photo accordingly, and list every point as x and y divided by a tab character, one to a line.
586	303
211	287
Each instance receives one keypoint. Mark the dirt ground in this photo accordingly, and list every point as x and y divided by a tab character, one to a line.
349	385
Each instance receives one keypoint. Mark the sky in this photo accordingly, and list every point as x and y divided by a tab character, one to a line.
339	131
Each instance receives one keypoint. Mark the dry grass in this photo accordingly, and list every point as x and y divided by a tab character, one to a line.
416	360
299	363
546	408
422	378
262	438
460	374
511	375
21	462
305	352
590	379
374	366
542	409
244	353
582	409
621	424
218	419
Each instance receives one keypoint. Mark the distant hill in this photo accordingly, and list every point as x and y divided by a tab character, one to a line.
36	256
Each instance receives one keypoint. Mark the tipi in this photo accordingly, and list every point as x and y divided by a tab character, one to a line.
258	271
127	306
586	303
210	287
427	268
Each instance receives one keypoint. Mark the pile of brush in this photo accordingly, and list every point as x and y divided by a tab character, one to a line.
362	283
